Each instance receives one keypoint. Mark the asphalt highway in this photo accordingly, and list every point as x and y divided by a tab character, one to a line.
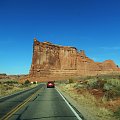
10	102
43	104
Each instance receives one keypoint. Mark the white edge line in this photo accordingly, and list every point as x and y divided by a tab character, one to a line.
78	117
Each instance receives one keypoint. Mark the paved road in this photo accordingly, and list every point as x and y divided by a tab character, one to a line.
46	104
8	103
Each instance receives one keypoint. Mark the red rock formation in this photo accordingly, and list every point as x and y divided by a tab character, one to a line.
53	61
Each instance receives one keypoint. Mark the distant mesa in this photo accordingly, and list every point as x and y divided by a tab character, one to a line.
51	61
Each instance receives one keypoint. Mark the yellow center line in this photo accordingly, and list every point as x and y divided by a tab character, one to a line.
18	107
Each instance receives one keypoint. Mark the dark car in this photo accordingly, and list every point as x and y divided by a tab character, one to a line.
50	84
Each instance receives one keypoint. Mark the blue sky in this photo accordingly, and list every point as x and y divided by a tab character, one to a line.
90	25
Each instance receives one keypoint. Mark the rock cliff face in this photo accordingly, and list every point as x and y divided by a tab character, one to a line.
53	61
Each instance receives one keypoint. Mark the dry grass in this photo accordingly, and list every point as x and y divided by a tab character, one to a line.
7	89
91	105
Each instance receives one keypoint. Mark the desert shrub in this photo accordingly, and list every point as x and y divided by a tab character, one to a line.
92	85
101	83
117	91
79	86
9	87
34	82
89	77
10	82
117	113
111	94
96	84
71	80
114	82
15	82
111	91
118	88
107	87
27	82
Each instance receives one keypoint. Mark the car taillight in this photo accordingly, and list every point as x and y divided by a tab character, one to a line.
50	83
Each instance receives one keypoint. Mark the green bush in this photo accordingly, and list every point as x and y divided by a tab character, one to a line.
114	82
92	85
107	87
111	94
71	80
11	82
101	83
27	82
96	84
117	113
34	82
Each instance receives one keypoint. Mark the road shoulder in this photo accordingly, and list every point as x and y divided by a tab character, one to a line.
75	104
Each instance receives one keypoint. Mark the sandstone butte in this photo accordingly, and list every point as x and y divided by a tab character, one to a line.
54	62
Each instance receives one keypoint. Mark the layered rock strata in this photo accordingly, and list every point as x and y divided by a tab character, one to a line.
54	61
